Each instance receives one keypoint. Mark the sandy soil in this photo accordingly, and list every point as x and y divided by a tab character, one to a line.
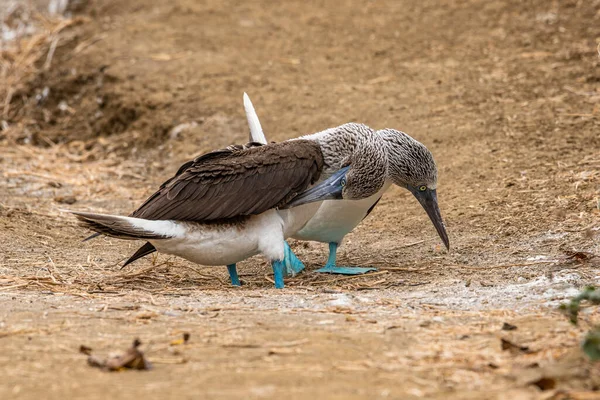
504	93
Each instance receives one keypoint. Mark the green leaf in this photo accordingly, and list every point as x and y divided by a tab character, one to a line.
591	344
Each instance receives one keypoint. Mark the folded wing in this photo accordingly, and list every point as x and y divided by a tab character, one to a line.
237	181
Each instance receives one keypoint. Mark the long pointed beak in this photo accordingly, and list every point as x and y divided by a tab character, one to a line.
329	189
428	200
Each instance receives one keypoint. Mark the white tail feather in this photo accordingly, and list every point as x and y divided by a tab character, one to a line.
128	227
256	132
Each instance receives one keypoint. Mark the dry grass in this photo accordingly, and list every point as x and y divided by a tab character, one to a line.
31	51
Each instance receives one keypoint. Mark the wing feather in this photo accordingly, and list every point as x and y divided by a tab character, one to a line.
237	181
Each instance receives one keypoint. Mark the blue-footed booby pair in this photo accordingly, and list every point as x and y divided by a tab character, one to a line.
231	204
410	165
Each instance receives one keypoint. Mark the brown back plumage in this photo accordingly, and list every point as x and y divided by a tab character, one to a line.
236	181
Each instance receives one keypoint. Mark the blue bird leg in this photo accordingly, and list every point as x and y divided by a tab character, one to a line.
292	264
278	268
331	268
235	280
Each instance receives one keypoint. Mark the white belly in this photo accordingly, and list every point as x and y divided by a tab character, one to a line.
224	244
336	218
213	244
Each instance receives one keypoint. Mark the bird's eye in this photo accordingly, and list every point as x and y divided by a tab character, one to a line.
343	182
422	188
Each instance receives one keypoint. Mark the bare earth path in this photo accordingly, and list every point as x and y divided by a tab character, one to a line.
506	95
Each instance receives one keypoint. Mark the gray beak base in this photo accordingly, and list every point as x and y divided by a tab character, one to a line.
329	189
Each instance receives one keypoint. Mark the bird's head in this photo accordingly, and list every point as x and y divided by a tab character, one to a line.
411	166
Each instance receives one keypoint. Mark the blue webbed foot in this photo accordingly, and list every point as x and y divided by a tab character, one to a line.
278	269
332	269
292	264
235	280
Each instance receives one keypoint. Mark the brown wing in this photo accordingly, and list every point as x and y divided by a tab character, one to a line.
236	181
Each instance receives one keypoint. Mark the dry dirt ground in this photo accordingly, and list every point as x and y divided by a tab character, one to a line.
100	107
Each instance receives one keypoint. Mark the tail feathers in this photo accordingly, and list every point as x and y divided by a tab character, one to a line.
126	227
142	251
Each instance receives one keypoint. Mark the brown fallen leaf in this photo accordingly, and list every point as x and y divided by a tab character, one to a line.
132	358
579	256
508	327
514	348
545	383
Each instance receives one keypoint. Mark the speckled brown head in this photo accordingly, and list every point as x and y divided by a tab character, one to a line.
411	165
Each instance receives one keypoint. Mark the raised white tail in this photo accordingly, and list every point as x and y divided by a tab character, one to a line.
256	132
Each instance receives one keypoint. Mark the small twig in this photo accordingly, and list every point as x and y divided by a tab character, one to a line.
293	343
168	361
504	266
205	276
353	277
241	345
53	271
141	272
51	52
577	115
7	101
404	269
14	286
87	43
412	244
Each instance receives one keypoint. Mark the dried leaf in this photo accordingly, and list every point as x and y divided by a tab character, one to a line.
545	383
508	327
514	348
132	358
579	256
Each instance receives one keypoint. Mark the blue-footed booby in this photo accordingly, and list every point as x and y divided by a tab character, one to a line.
230	204
411	166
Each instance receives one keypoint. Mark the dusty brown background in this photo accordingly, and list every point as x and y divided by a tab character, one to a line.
504	93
